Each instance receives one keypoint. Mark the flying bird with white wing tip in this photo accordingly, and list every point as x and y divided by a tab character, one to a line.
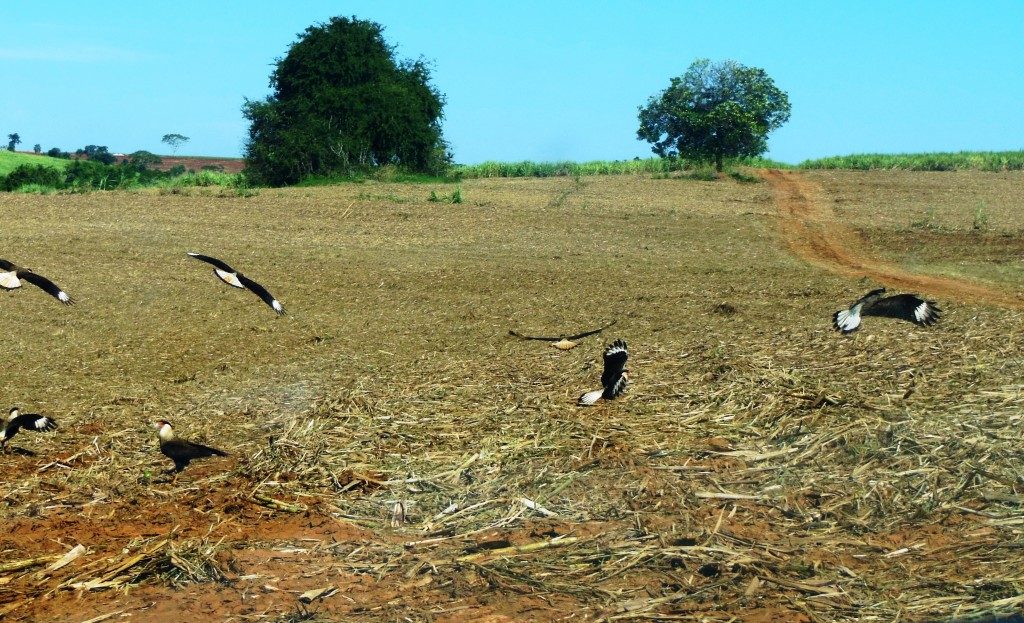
909	307
614	378
16	420
236	279
180	451
11	276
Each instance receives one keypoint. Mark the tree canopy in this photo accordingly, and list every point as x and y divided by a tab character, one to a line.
174	141
714	111
341	101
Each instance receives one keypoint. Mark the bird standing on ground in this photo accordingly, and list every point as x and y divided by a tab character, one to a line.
11	275
180	451
29	421
236	279
908	307
614	378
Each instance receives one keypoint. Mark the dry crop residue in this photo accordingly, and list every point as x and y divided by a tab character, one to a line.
814	233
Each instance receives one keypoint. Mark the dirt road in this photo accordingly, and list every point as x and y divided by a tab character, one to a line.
813	232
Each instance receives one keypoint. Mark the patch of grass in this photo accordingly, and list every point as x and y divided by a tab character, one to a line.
385	174
938	161
703	174
527	168
454	197
389	197
928	221
10	160
980	218
744	178
36	189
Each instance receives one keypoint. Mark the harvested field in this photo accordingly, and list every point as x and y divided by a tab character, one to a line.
393	445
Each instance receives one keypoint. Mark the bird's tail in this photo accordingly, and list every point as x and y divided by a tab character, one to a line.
590	398
846	320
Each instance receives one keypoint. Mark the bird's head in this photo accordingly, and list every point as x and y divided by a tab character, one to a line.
164	430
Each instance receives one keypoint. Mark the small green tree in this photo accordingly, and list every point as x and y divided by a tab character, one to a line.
174	141
714	111
37	148
142	160
97	153
13	139
341	101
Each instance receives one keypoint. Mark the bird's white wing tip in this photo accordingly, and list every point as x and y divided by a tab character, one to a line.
590	398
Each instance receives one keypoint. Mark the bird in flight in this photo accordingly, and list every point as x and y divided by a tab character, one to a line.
614	378
11	276
908	307
16	420
180	451
562	342
236	279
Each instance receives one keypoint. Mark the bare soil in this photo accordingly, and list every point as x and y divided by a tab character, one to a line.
392	444
815	234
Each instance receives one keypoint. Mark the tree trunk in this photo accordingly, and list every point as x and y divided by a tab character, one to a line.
718	162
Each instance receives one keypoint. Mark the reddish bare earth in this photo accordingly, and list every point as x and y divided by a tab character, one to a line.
815	234
396	456
198	163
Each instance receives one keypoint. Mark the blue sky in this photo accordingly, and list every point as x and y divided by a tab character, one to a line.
526	80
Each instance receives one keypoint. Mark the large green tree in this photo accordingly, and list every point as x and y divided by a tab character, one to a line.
341	101
714	111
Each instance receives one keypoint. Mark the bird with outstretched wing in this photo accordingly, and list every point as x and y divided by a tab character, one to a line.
909	307
614	378
562	342
236	279
11	276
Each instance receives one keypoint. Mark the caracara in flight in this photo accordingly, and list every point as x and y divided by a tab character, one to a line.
562	342
180	451
236	279
29	421
615	376
11	276
908	307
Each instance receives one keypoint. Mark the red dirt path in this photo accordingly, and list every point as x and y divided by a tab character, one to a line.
816	235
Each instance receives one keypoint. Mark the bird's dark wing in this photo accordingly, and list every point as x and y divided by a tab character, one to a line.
8	267
592	332
869	298
533	337
31	421
181	450
616	388
262	293
909	307
198	450
560	337
615	356
47	285
212	260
